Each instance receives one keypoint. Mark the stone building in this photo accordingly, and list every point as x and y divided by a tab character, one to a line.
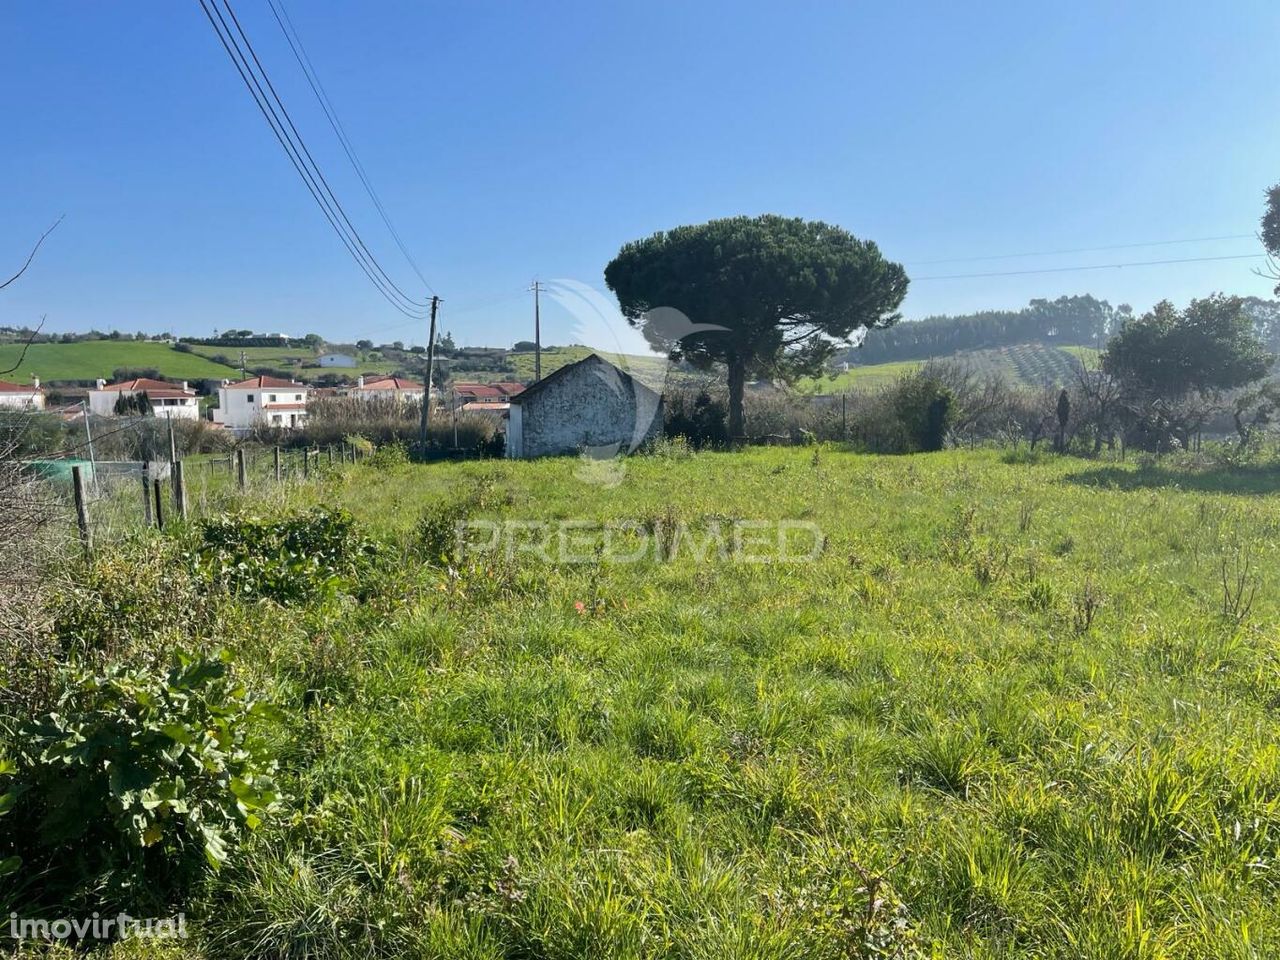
590	406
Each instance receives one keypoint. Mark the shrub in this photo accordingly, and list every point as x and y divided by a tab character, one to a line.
922	405
134	786
436	533
138	596
699	418
295	559
388	457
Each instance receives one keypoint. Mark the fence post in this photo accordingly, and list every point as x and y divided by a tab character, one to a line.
173	444
179	490
240	474
276	453
330	454
306	462
146	493
159	498
82	511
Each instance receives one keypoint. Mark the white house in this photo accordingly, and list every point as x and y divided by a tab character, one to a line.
261	401
590	406
165	399
336	360
399	388
18	396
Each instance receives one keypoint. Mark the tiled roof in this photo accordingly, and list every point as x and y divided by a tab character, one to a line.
389	383
7	387
266	383
143	383
478	390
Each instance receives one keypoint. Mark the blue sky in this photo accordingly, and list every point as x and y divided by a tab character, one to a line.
510	141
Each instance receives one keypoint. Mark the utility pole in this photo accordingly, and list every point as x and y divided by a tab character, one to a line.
431	370
243	373
537	332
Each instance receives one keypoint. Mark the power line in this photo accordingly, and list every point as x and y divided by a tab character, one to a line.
322	96
1056	253
365	261
314	166
1099	266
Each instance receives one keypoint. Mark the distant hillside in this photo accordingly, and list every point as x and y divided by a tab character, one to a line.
1024	364
1067	321
91	359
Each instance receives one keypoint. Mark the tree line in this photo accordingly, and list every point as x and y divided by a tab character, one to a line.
1076	321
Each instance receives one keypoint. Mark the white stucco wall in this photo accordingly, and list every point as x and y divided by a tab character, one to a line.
241	408
22	401
102	403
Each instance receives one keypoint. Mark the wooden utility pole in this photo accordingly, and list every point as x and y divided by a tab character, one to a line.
146	492
276	453
537	331
82	511
306	462
240	471
431	370
159	498
179	491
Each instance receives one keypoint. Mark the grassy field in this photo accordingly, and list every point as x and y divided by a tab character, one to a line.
1008	697
91	359
1029	365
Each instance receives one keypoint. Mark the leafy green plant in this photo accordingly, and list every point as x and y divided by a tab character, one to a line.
290	560
138	596
388	456
137	783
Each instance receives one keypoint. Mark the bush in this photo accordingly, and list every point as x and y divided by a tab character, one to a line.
139	596
388	457
383	421
699	418
923	407
292	560
133	787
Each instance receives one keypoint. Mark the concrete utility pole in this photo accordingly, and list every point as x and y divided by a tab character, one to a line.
537	331
243	374
431	370
88	437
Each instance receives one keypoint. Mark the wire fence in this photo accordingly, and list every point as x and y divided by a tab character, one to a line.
122	499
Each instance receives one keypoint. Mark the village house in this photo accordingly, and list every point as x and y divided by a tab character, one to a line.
590	406
261	401
336	360
134	397
19	396
397	388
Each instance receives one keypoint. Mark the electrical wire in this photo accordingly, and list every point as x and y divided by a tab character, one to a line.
314	166
241	62
1099	266
300	54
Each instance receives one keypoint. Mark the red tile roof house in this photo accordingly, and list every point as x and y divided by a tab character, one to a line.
398	387
22	396
166	399
261	401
